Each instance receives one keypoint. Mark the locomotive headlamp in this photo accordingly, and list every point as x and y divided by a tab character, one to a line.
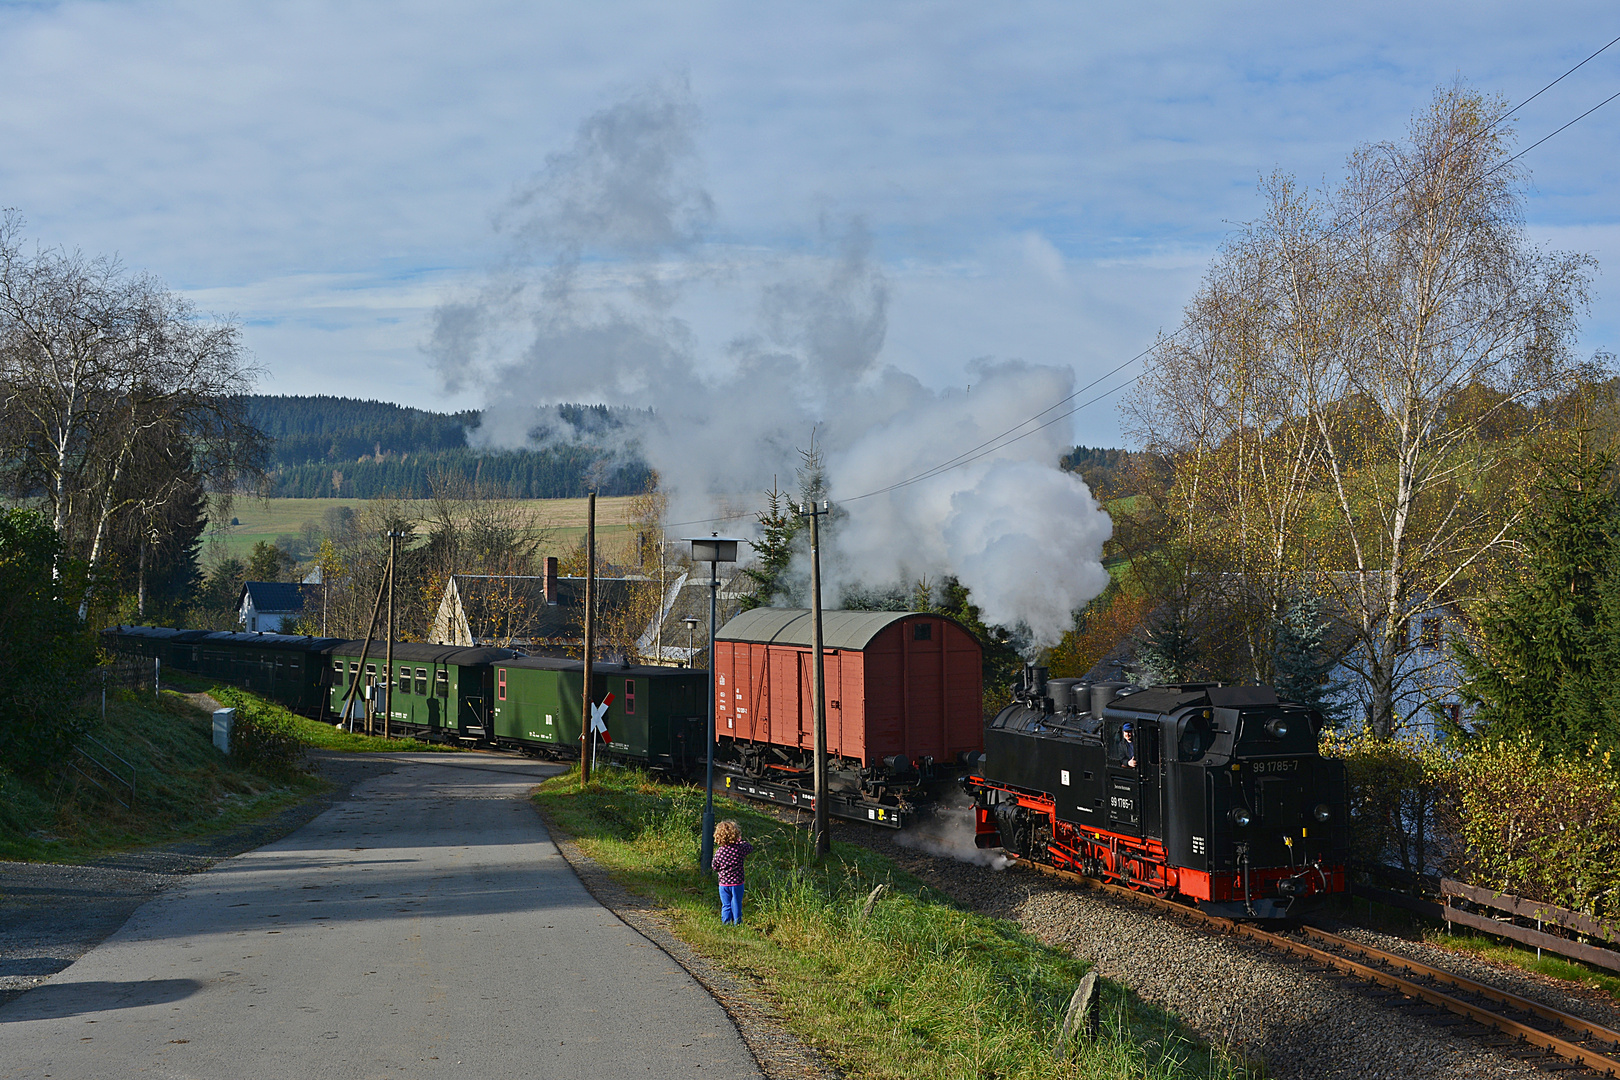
1278	728
1240	817
1322	812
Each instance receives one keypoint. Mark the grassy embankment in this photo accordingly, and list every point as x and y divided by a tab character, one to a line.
920	988
184	787
266	519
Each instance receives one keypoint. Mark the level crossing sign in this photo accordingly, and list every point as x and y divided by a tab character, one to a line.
599	718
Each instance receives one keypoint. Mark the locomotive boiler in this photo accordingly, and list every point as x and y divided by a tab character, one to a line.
1215	794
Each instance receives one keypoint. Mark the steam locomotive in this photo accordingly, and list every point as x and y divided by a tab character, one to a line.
1213	794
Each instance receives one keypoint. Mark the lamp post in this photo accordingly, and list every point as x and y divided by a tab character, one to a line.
394	537
714	550
691	625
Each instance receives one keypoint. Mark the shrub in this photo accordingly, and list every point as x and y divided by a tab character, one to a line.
265	736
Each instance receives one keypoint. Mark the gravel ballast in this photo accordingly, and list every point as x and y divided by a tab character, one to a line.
1299	1020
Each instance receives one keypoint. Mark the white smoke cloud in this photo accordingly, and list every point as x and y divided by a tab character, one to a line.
949	831
607	242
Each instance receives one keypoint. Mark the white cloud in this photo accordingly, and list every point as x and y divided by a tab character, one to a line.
1043	181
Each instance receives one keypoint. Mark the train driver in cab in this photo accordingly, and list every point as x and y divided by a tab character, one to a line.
1128	751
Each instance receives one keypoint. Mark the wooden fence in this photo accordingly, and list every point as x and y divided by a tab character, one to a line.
1516	907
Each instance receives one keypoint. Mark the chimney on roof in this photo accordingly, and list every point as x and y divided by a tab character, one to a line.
551	579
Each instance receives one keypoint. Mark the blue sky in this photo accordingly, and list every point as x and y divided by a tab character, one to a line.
1043	182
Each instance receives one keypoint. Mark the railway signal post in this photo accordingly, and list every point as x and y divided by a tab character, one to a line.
714	550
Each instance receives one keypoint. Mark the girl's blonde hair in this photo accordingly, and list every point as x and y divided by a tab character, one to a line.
727	832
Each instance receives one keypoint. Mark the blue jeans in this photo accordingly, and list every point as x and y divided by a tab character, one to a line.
731	903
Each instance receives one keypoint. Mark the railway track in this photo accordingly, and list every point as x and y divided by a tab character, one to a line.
1575	1041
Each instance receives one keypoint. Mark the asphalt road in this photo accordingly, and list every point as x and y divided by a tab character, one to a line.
425	927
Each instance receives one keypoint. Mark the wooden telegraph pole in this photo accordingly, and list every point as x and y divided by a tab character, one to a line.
822	826
388	663
586	736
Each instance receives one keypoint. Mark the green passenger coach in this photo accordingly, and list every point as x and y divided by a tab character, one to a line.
439	693
655	718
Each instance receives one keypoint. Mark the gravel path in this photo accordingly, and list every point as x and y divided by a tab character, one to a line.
53	913
1302	1022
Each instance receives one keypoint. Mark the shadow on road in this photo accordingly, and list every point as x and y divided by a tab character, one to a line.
56	1000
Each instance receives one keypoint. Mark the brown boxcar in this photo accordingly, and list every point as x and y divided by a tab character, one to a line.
899	683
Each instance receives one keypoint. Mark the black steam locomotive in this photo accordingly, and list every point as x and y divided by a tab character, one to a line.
1212	793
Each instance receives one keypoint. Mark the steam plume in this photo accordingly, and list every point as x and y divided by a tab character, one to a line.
607	257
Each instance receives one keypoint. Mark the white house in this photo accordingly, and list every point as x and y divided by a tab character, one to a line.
270	606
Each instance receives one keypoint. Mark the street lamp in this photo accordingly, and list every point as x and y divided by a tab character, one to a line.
714	550
691	625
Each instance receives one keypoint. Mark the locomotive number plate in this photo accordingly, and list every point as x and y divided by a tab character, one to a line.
1276	766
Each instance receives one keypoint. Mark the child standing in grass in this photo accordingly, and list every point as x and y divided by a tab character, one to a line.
730	849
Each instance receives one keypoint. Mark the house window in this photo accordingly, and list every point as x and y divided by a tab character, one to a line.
500	684
421	682
404	680
629	697
923	631
441	683
1429	633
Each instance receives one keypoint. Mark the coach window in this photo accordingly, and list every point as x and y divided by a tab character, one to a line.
371	674
629	697
441	682
421	682
500	684
404	680
337	667
923	631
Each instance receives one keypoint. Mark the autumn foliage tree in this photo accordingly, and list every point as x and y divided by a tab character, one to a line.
1357	386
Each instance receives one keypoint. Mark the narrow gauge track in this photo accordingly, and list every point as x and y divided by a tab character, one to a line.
1589	1045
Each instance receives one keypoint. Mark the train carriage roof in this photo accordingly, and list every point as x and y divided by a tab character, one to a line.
600	668
416	651
792	626
295	642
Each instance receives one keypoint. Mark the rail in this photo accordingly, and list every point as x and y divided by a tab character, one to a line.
1605	1062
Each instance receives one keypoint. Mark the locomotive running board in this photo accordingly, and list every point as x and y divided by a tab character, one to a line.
839	804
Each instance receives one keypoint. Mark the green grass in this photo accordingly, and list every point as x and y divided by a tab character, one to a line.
313	733
1555	967
267	519
184	788
920	988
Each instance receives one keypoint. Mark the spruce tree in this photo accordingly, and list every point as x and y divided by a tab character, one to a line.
1302	657
773	551
1545	661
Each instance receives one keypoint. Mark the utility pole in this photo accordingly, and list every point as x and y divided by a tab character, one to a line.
822	826
586	736
394	537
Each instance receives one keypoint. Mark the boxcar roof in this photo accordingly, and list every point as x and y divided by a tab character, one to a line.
791	626
414	651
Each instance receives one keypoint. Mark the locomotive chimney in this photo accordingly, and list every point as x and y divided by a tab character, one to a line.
551	579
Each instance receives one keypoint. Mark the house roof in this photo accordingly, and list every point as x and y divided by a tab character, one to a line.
792	626
273	596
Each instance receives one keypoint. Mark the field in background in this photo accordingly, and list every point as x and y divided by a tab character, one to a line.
267	519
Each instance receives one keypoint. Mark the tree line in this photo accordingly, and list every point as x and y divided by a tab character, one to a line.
335	447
